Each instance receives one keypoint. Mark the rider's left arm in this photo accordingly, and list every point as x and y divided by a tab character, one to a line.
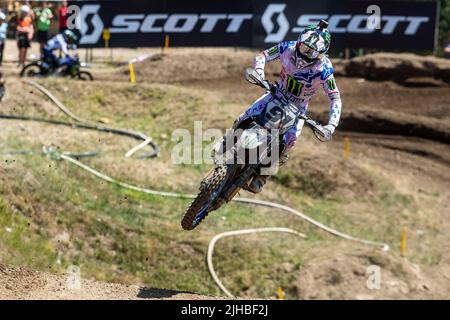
334	97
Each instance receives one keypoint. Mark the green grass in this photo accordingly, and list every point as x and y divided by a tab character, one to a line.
303	183
138	235
22	243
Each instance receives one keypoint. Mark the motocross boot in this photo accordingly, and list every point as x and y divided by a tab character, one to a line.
257	183
259	180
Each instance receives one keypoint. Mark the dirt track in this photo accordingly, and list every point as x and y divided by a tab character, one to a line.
21	283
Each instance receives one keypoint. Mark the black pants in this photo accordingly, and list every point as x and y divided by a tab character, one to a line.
42	36
2	47
22	40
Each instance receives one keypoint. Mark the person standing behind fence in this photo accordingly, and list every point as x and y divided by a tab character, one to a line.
63	14
3	32
25	31
44	15
447	47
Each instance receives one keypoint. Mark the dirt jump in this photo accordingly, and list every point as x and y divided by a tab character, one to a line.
21	283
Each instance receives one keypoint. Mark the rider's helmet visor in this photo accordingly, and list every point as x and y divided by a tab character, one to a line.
307	53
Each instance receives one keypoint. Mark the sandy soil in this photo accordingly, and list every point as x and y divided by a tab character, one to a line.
21	283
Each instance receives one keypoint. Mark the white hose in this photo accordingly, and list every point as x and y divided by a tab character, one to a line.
58	103
66	111
330	230
123	184
138	147
383	246
213	241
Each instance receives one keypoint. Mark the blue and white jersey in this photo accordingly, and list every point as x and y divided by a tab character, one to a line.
3	31
59	43
301	84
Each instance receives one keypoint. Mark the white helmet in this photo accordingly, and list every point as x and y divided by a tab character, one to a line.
25	8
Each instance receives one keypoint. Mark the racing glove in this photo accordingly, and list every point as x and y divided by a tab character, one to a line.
329	128
261	73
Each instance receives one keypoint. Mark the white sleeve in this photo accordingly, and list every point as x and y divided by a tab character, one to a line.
64	48
63	44
267	55
332	91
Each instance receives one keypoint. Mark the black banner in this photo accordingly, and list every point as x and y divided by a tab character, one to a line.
407	25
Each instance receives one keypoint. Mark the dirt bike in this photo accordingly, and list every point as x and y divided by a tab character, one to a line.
260	137
44	67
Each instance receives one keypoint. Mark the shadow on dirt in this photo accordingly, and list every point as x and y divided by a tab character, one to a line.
153	293
396	67
370	122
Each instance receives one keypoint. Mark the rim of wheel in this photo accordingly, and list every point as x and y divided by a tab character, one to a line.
204	210
32	71
201	214
84	76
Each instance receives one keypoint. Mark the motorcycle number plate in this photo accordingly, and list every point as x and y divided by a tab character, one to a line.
278	116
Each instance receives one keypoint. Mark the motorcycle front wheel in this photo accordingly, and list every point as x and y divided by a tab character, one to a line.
203	204
85	76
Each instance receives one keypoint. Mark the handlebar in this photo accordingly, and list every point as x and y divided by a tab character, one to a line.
319	131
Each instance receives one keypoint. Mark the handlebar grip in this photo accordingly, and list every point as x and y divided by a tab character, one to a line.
273	88
315	126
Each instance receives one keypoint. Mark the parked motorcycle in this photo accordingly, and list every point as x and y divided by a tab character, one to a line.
257	145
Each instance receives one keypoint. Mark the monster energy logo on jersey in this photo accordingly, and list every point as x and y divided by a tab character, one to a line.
273	51
331	84
327	38
294	86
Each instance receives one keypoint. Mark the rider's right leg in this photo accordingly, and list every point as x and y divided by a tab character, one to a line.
226	142
50	58
255	110
288	141
64	61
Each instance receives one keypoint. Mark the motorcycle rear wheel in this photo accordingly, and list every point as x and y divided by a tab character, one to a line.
31	70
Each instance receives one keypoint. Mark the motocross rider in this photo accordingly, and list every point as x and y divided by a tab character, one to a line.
304	68
63	41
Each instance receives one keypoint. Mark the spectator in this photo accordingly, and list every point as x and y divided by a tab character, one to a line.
63	14
3	32
32	15
2	86
447	47
25	31
44	16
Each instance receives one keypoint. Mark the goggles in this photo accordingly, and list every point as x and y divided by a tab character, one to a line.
307	53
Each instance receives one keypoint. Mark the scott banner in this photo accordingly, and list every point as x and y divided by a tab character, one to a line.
407	25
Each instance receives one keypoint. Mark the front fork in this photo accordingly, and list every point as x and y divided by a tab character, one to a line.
238	183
